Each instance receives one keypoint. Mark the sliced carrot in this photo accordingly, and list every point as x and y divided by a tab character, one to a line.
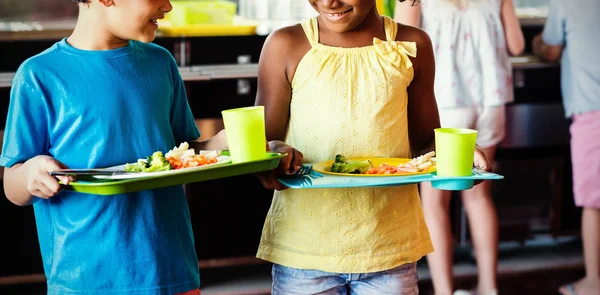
194	161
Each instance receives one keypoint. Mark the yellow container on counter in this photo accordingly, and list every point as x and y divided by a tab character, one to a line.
239	27
201	12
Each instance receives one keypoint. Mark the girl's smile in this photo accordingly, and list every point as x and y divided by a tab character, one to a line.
337	16
344	15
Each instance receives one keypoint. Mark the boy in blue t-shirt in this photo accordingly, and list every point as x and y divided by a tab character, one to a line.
99	99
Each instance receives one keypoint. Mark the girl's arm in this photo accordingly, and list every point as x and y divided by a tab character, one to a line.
515	42
274	90
280	55
276	66
423	116
408	14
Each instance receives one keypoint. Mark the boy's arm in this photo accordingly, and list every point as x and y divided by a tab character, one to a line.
216	143
515	42
26	140
23	182
288	164
549	44
15	186
408	14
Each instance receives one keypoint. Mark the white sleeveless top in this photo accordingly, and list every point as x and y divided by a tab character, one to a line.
472	62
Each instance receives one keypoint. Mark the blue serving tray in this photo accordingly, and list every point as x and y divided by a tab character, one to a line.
318	180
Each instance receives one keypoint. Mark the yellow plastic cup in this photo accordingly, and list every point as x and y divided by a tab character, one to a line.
454	151
245	130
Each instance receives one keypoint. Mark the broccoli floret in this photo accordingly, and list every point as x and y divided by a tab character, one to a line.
149	161
343	165
157	162
339	158
135	167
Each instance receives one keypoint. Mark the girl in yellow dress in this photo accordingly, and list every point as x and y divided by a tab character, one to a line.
353	82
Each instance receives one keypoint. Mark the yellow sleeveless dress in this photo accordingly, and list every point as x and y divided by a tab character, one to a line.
351	101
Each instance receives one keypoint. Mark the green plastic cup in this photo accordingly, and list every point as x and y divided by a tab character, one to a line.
454	151
245	130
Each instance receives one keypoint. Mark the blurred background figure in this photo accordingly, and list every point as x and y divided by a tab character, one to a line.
571	35
472	41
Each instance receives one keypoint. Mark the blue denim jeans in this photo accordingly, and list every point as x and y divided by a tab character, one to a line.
401	280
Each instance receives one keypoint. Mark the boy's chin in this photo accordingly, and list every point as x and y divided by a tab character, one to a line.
146	38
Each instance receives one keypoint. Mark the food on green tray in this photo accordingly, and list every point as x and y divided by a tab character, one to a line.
177	158
155	162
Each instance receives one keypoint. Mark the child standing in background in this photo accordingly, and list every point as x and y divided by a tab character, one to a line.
104	96
356	83
571	35
472	40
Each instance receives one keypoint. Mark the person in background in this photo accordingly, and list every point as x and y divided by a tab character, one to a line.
571	36
472	40
350	82
105	96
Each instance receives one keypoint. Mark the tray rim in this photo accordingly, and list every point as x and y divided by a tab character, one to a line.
401	160
224	161
111	187
350	182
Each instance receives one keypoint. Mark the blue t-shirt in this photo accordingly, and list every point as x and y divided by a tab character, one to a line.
575	25
93	109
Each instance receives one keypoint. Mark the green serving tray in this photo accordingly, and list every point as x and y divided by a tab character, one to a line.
113	187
